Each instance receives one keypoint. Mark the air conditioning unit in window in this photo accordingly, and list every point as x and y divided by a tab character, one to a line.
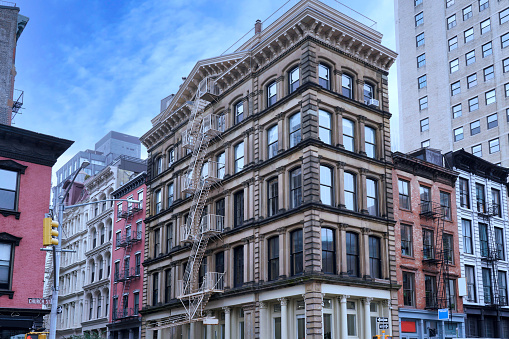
373	103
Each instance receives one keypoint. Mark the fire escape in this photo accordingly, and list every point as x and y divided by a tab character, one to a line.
126	273
16	104
195	290
436	255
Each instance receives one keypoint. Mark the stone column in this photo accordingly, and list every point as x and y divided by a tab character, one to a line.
281	137
365	236
281	187
247	151
367	317
227	322
228	157
362	134
228	203
339	189
386	312
282	252
264	324
362	188
344	266
359	93
337	81
246	260
251	259
209	328
284	317
343	318
247	198
339	120
251	199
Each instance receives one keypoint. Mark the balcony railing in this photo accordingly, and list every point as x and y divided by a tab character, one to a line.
127	274
212	223
213	282
123	313
130	211
208	89
129	239
213	124
209	176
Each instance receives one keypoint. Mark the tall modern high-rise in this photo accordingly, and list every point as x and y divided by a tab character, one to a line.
453	76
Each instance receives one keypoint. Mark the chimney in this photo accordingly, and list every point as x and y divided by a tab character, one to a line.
258	26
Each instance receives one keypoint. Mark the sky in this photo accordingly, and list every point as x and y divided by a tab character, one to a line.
88	67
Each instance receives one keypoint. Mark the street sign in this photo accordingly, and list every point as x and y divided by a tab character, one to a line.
59	309
382	320
443	314
39	301
383	326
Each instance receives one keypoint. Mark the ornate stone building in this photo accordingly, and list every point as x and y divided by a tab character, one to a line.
294	197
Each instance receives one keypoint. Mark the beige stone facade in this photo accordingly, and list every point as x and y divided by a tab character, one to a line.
306	192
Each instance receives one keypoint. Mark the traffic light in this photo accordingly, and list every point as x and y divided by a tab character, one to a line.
36	335
49	232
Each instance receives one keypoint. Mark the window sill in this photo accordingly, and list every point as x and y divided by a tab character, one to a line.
7	213
7	292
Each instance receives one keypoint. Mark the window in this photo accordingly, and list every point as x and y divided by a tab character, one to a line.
421	60
469	35
492	121
404	194
157	242
324	76
370	142
170	194
502	287
483	239
453	43
352	254
495	202
417	2
445	205
271	93
483	4
220	262
472	80
220	211
372	196
155	288
428	244
325	127
506	88
475	127
408	289
451	21
425	143
499	242
455	88
296	252
375	257
349	135
480	198
272	197
238	266
350	187
487	49
238	208
450	292
470	57
167	285
7	261
486	282
473	104
295	188
419	40
328	251
470	277
273	257
504	16
419	19
449	3
458	134
221	162
424	124
488	73
158	201
464	193
448	242
326	195
494	145
456	111
423	103
159	165
239	157
422	82
504	40
137	264
369	93
406	240
425	195
171	157
505	64
239	111
467	12
430	291
477	150
272	141
295	135
347	86
169	237
8	189
293	80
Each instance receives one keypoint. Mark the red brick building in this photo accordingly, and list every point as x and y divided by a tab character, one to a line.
427	248
26	159
127	256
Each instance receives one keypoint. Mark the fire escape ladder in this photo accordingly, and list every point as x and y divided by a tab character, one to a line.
492	254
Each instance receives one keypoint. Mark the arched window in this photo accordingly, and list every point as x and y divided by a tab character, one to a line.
350	187
325	127
328	251
171	156
370	141
238	266
347	86
295	131
239	112
271	93
369	93
94	238
99	314
324	76
326	193
352	254
295	188
273	258
293	79
296	252
101	267
239	157
91	307
349	135
159	165
372	196
375	257
272	141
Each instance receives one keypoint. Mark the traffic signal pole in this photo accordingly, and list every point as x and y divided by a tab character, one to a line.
57	252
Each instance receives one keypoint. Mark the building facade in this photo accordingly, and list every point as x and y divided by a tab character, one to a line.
292	194
26	159
427	246
127	258
453	68
483	221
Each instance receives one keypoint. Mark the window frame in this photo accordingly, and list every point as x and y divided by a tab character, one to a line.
475	127
295	191
347	85
271	99
473	104
422	81
407	247
494	122
375	257
402	196
295	84
372	197
490	97
326	186
468	35
370	142
238	208
470	57
421	60
325	126
423	103
295	130
350	191
11	241
419	19
455	88
424	124
238	112
487	49
451	21
489	73
324	82
468	13
457	113
472	80
452	43
272	196
273	258
408	289
328	246
353	254
418	40
485	28
238	157
296	252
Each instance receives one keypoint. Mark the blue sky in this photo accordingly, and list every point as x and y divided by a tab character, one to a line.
88	67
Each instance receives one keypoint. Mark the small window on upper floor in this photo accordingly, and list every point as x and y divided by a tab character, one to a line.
239	157
159	165
469	34
449	3
483	4
419	40
171	156
485	26
451	21
417	2
9	189
504	16
453	43
467	12
349	135
369	93
271	93
487	49
324	76
370	142
239	112
419	19
347	86
293	79
325	127
295	130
